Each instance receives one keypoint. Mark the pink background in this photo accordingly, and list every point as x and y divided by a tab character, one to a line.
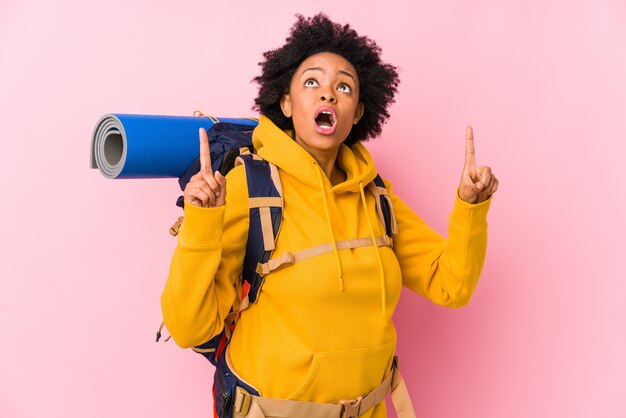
84	258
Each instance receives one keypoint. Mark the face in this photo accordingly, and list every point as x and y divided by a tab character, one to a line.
323	102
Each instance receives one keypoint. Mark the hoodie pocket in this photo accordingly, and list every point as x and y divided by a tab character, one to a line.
345	374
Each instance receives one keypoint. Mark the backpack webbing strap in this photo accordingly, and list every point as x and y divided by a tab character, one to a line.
251	406
384	208
400	396
266	211
288	259
233	315
259	202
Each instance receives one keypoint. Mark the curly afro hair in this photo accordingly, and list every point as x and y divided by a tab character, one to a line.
309	36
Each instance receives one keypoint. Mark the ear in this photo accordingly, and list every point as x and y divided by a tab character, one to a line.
285	105
358	113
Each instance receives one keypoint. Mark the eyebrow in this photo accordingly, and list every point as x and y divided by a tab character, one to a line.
344	72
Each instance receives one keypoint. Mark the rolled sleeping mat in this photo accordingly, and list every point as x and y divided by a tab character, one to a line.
127	146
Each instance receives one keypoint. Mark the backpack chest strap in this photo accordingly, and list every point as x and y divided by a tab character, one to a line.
288	259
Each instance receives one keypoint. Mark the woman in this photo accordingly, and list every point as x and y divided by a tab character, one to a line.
321	330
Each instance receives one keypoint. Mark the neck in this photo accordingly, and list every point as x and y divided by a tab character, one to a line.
327	165
327	160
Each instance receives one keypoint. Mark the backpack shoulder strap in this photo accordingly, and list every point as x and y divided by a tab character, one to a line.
266	213
384	206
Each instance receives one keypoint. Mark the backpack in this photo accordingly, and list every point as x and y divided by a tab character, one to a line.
231	144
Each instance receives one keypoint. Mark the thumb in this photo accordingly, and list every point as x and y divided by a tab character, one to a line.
221	180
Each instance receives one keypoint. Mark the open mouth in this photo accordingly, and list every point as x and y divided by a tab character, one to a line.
325	120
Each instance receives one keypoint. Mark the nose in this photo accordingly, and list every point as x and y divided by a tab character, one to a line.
329	97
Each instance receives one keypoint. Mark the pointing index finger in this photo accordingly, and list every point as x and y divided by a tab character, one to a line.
205	151
470	155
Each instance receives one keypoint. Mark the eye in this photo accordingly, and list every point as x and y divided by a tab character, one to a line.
310	83
344	88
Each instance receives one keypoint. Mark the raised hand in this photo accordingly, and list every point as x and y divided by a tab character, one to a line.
477	182
206	189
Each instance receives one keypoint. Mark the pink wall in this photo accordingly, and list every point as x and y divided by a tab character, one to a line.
84	258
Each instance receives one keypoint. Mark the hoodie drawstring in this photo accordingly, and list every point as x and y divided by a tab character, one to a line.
330	227
372	236
380	261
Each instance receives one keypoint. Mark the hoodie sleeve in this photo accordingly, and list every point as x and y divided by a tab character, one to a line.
206	264
445	271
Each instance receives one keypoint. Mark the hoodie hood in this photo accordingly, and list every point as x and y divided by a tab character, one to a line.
279	147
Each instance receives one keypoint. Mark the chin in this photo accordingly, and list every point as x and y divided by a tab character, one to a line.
320	142
326	143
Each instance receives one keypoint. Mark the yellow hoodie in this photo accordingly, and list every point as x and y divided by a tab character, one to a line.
321	330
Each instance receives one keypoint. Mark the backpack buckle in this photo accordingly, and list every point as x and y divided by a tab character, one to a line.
351	408
243	399
174	228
